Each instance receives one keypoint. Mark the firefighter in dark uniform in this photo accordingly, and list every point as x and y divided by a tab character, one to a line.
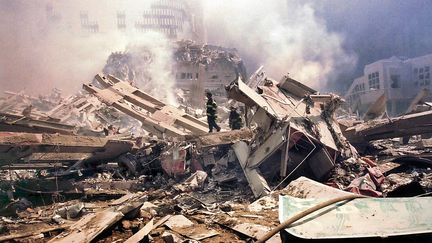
211	113
235	120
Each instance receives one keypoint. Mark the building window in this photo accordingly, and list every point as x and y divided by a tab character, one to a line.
374	82
214	77
395	81
86	25
183	75
196	75
84	19
121	20
424	76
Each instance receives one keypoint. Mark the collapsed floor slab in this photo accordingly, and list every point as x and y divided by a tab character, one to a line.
407	125
15	146
156	116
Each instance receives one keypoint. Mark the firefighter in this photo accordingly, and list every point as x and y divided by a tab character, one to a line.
27	111
211	113
235	120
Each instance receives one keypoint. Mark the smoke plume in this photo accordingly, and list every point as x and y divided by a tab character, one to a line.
284	36
151	59
37	54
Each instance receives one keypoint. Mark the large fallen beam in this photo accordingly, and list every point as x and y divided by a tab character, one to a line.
155	116
221	138
14	146
78	103
18	123
407	125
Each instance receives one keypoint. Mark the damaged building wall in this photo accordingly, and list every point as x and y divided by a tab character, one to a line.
221	66
196	68
176	19
298	131
399	79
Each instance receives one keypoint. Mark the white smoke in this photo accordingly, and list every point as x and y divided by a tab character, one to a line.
152	53
284	36
38	54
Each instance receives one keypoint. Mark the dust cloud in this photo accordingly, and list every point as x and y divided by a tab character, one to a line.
284	36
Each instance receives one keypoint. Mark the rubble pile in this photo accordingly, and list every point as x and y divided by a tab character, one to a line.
135	66
190	52
131	168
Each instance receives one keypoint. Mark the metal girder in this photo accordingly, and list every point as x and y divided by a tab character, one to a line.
156	116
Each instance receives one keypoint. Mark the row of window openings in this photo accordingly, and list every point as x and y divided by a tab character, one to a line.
374	82
121	22
422	69
190	76
170	4
163	12
423	76
186	75
168	31
157	21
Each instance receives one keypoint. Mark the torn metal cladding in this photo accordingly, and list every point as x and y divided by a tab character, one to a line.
296	133
376	109
418	100
155	116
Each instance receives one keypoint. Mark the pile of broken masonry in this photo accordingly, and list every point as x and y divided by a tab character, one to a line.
114	164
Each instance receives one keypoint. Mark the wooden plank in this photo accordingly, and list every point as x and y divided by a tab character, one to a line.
26	166
141	233
36	232
89	227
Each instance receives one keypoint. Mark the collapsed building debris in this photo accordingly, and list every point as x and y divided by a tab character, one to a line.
156	117
195	68
292	130
390	128
56	147
175	182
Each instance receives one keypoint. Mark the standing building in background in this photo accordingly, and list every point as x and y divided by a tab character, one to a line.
178	19
196	66
399	79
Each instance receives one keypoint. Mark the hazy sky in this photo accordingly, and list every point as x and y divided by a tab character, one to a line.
319	42
377	29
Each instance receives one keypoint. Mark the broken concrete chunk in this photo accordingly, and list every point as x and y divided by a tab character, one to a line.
71	212
195	181
257	183
178	221
256	231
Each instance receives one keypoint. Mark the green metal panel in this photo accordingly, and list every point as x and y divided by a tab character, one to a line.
365	217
